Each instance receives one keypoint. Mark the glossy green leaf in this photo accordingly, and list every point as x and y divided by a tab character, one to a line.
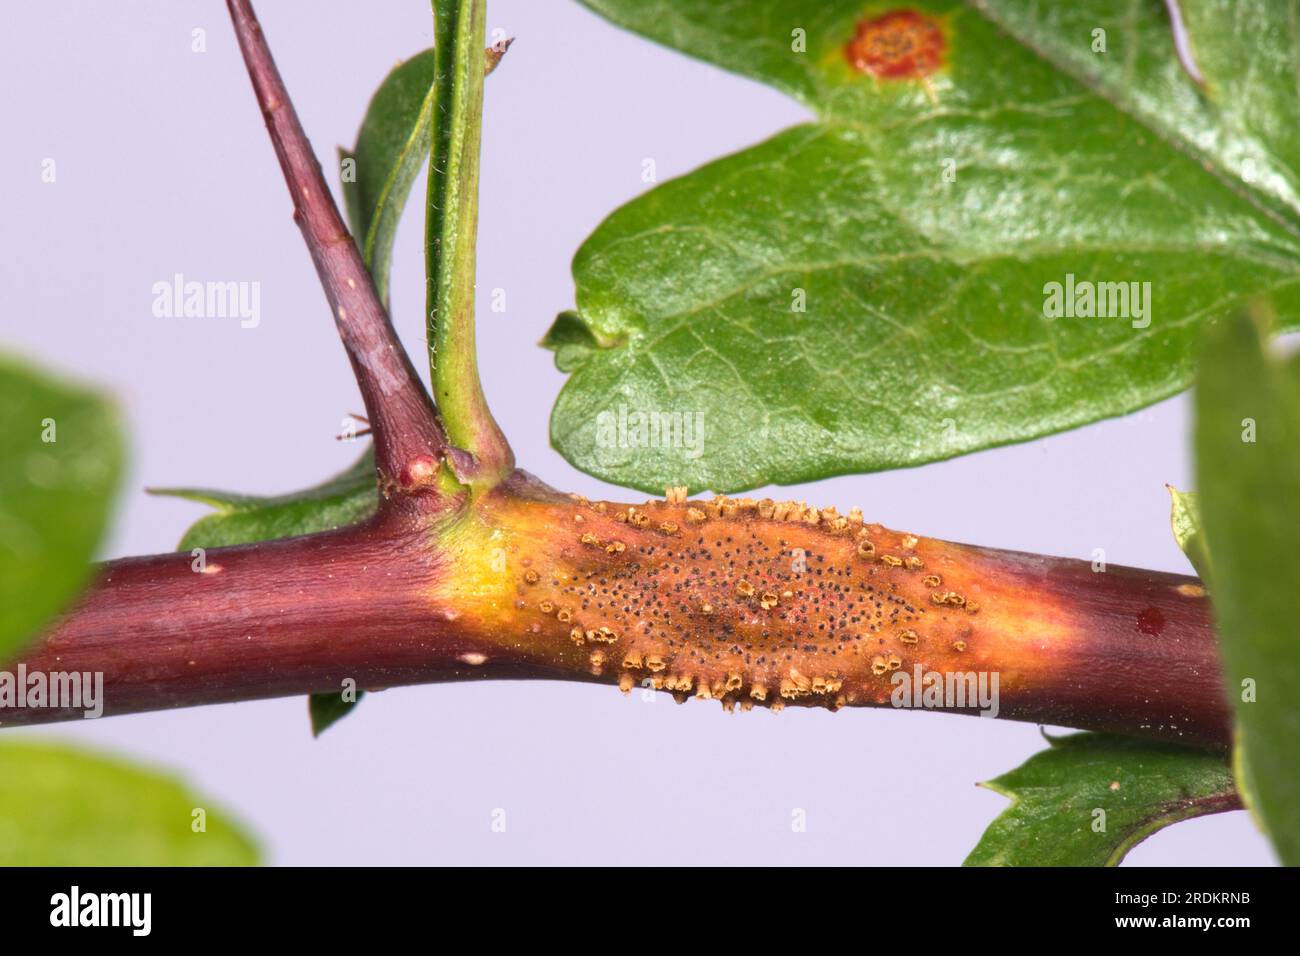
65	806
390	151
1090	798
59	470
870	290
1189	531
347	498
1248	472
392	145
1246	49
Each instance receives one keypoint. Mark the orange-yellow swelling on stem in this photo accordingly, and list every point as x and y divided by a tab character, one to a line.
746	602
751	602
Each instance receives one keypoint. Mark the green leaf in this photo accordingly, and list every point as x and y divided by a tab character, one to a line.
64	806
919	225
328	709
1248	471
347	498
1245	48
1063	796
1189	532
59	471
390	150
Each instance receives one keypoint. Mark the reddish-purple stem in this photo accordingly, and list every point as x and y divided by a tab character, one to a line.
276	618
409	439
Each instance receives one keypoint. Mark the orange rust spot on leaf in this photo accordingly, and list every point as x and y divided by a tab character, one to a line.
898	45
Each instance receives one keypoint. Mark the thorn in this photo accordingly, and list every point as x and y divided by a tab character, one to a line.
365	431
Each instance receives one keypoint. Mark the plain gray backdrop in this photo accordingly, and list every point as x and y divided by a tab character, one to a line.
163	166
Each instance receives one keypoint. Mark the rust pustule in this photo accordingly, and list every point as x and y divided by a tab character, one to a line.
898	45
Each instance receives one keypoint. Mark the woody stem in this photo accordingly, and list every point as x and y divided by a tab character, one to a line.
1125	651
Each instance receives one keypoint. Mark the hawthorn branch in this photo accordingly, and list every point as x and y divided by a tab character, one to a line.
527	590
696	598
409	438
277	618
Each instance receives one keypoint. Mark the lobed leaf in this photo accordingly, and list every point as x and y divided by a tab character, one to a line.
1090	798
872	289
